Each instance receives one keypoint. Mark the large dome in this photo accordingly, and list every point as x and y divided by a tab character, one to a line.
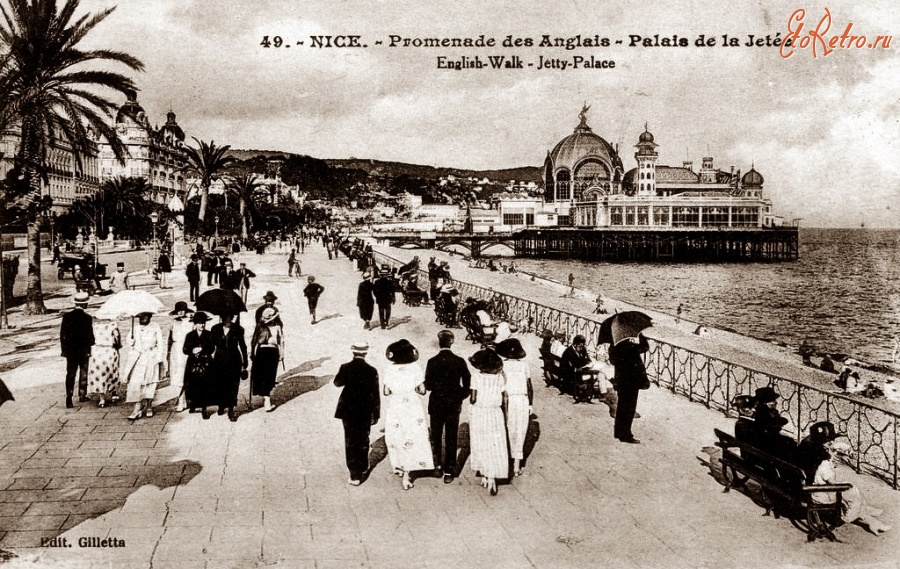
583	144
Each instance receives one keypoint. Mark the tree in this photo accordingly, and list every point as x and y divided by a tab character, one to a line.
121	199
245	187
53	98
207	162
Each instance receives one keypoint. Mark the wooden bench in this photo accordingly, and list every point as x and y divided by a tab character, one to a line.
783	484
552	366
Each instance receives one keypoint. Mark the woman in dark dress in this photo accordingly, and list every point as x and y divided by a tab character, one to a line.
266	349
229	364
164	267
365	300
199	348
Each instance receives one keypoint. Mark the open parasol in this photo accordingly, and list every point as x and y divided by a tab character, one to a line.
220	301
623	325
128	303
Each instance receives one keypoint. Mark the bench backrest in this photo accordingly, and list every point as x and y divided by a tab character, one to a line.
790	475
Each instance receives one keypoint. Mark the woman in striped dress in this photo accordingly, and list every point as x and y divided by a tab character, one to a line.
519	397
486	425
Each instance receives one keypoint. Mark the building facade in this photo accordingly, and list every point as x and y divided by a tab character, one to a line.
69	177
155	154
585	181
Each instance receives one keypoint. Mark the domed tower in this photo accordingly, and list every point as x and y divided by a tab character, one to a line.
646	156
132	111
579	162
752	183
171	132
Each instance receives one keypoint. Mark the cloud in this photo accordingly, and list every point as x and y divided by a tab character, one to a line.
823	132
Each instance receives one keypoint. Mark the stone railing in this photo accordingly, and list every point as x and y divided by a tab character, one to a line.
872	431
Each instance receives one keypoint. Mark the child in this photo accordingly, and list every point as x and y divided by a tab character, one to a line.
312	292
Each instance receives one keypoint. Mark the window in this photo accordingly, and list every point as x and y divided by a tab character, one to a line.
529	219
563	220
513	219
629	215
615	216
686	217
643	215
660	216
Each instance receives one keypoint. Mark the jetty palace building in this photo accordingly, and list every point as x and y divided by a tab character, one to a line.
593	208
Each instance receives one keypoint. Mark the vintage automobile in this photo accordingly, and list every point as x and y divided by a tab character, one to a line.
68	262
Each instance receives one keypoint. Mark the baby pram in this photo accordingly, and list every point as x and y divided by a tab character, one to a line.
412	294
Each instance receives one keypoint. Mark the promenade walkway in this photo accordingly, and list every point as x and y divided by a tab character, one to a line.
270	490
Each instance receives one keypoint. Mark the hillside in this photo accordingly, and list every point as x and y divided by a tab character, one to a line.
380	168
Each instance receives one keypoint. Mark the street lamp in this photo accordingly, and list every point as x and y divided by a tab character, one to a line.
154	217
217	230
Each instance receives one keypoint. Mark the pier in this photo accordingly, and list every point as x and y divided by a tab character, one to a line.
662	245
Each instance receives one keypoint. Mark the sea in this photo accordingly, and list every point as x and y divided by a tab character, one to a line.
842	296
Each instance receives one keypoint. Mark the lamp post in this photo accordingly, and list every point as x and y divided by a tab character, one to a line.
154	217
217	230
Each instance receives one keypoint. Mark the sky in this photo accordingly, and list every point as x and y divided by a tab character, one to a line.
823	131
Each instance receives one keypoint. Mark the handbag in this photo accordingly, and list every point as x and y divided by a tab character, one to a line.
199	366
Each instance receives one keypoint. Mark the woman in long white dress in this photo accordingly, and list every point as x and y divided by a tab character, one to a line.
181	325
144	366
406	429
487	429
519	398
103	367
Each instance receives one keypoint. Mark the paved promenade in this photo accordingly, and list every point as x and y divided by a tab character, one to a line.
270	490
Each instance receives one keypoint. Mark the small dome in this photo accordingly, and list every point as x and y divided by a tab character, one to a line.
752	178
131	109
645	136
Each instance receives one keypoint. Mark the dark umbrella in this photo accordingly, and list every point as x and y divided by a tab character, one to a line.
622	325
5	393
220	301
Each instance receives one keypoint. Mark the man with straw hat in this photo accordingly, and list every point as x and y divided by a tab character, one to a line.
76	336
359	408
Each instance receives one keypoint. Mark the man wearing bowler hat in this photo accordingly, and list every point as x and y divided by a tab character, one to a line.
448	379
359	408
192	272
76	336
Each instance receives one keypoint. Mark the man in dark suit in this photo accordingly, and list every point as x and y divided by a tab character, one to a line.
192	271
448	379
384	288
631	377
244	276
359	408
76	336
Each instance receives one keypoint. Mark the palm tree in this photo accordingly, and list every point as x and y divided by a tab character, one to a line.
122	199
245	188
207	162
53	99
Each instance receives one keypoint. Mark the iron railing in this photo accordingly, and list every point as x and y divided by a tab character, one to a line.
871	430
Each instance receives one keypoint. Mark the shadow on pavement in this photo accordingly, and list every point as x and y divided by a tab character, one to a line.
532	435
377	452
398	322
291	384
462	443
328	317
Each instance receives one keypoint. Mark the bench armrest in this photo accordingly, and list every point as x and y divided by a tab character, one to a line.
815	488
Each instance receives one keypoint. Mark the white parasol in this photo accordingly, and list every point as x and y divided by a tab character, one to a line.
128	303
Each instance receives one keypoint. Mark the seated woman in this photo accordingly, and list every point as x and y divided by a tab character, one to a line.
819	448
767	425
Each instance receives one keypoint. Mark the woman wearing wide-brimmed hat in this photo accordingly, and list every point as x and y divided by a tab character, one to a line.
519	397
818	449
487	429
229	364
405	428
181	326
144	366
199	348
266	350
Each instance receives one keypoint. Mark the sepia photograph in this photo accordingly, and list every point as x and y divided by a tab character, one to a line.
373	284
